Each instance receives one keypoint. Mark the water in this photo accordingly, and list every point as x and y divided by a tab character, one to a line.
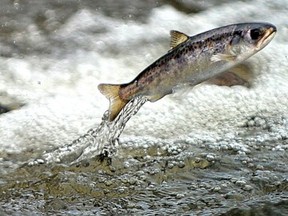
209	150
102	140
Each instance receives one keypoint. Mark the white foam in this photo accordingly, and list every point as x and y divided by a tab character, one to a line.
68	102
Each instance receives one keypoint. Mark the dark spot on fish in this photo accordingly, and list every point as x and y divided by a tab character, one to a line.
197	45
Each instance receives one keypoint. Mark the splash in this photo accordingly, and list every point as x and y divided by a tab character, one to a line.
103	139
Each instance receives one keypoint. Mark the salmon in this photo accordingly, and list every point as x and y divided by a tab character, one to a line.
192	60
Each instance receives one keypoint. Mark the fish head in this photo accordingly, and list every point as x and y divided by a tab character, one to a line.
247	39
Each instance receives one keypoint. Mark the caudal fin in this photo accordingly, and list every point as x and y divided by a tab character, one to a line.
111	92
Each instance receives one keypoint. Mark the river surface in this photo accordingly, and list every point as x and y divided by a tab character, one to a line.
207	150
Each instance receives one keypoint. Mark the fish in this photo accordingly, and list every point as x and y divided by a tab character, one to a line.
192	60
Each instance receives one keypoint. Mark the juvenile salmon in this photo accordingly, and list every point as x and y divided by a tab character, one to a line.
191	60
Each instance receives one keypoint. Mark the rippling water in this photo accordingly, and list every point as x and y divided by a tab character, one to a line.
209	150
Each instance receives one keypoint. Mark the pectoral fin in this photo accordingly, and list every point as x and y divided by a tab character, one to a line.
238	75
111	92
223	57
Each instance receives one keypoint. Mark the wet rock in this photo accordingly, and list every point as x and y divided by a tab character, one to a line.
3	109
193	6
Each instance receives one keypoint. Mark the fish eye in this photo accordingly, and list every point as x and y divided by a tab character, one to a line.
255	34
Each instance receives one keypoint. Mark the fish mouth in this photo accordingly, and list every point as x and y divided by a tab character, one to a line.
267	37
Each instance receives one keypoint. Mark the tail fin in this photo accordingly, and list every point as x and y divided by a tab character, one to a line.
111	92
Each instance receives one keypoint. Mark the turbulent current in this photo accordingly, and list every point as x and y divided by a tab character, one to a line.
101	140
207	150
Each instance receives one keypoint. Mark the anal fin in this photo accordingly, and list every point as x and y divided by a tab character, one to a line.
158	96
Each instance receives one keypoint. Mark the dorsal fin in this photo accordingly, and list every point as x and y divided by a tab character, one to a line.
177	38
